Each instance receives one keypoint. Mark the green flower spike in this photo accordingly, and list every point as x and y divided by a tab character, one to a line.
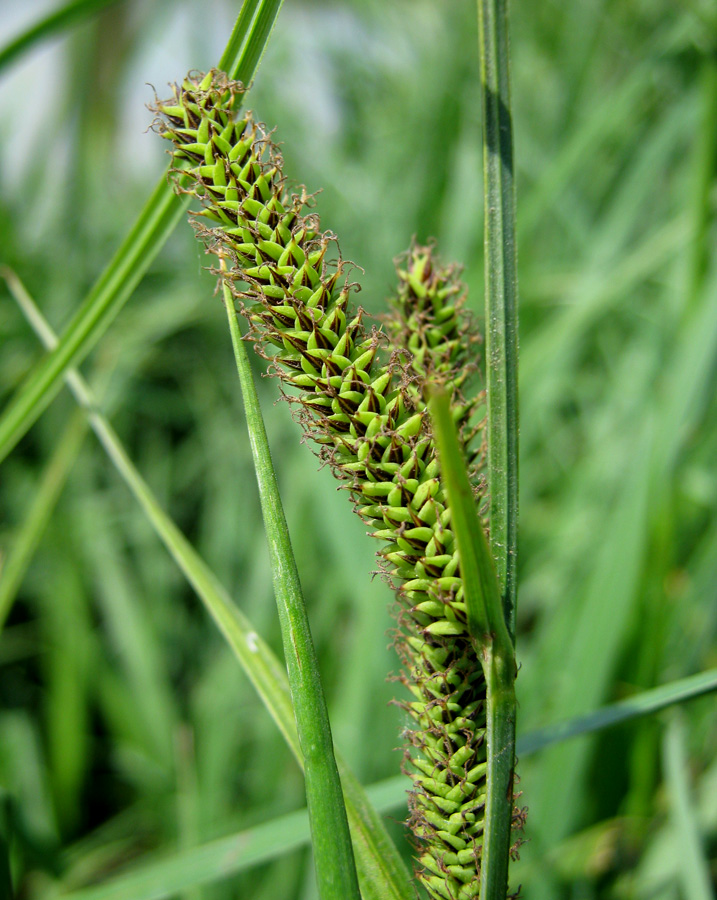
429	321
370	420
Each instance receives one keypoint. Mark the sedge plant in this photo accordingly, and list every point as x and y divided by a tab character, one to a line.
365	406
397	414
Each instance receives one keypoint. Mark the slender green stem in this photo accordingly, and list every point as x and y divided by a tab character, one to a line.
501	300
247	64
502	430
500	735
115	286
333	853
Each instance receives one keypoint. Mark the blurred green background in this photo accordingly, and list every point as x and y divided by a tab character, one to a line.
126	726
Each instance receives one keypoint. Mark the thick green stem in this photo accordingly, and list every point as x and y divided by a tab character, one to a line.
500	734
501	298
502	431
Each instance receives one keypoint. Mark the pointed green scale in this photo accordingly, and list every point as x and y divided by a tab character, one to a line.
444	627
203	131
175	112
268	247
222	144
227	135
238	151
395	515
219	174
431	607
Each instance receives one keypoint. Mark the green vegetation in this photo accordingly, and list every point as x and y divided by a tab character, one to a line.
136	760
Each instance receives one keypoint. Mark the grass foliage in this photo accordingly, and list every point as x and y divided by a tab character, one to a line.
128	733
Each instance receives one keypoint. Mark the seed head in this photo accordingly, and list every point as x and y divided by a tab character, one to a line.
359	392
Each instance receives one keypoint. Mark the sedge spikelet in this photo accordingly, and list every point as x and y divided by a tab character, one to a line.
368	416
428	319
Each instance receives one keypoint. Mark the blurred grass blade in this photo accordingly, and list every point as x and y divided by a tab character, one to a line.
590	649
125	270
493	645
501	298
694	868
331	841
383	874
63	17
5	873
163	878
646	703
704	169
29	533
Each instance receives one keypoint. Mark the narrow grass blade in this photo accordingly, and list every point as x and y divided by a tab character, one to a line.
163	878
704	168
493	645
646	703
63	17
482	592
383	875
695	874
29	533
125	270
333	853
501	299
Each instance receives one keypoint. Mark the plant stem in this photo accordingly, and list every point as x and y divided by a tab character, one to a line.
500	735
482	597
502	430
333	853
501	298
